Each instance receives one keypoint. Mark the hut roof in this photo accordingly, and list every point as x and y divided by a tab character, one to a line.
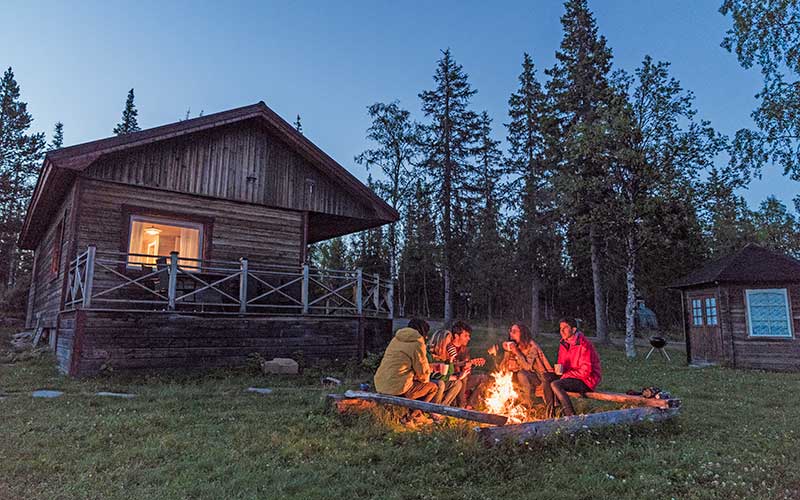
751	264
61	166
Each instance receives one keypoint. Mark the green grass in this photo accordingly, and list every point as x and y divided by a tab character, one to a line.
203	437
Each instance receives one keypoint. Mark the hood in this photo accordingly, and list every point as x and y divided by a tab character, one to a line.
408	335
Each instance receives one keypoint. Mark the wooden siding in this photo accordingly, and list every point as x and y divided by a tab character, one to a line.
781	354
134	341
241	162
67	323
262	234
46	288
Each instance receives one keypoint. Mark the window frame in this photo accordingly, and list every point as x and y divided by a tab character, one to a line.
787	309
57	251
130	211
706	310
694	310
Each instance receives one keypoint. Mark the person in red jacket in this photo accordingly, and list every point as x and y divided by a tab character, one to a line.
578	365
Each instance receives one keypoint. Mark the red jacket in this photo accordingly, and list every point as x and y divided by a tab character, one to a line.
578	359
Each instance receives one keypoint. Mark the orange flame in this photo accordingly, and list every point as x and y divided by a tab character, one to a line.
501	398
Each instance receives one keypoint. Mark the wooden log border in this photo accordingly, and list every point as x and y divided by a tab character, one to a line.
522	433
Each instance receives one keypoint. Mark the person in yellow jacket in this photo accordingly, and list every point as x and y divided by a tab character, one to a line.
404	369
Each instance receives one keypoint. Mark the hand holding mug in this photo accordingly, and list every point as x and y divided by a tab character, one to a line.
558	369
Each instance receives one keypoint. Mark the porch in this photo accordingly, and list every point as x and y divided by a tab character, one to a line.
120	281
130	312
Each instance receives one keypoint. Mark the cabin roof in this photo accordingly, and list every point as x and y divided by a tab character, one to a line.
61	166
751	264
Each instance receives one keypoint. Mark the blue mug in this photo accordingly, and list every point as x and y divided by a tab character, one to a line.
364	386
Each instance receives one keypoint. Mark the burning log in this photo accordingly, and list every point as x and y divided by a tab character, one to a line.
570	425
472	415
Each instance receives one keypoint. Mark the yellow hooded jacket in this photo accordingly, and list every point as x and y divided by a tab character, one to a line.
403	362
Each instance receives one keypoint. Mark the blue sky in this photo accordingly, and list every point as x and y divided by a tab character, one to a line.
328	61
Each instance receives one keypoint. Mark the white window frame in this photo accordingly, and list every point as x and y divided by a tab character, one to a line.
753	291
167	222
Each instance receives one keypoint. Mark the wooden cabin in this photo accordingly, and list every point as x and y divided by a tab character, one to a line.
185	246
743	311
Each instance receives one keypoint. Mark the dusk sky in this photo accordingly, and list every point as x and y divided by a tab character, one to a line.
328	61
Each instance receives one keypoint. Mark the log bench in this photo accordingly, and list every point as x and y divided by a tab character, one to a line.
645	410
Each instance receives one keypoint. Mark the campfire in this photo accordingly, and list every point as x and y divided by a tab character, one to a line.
502	398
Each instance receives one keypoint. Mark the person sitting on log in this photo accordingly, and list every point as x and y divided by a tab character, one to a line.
441	355
404	369
578	365
467	398
530	366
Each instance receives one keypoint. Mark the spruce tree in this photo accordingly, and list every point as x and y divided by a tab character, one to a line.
20	155
129	114
489	270
58	136
419	262
532	138
448	149
580	89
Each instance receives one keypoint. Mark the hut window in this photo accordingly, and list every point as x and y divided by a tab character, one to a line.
768	313
697	312
151	238
711	311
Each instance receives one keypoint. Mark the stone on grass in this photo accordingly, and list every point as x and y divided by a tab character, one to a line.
259	390
46	393
280	366
115	394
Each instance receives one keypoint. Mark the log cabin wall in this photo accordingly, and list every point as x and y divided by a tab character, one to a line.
262	234
780	354
45	294
131	342
241	162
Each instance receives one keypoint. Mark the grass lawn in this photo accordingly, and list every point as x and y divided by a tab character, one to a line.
204	437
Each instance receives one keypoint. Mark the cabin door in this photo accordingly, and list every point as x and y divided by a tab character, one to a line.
704	333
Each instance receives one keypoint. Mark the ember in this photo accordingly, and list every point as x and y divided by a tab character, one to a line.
502	399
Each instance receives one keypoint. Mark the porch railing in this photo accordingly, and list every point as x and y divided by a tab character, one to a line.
108	280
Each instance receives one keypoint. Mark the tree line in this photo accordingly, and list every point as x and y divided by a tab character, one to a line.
606	188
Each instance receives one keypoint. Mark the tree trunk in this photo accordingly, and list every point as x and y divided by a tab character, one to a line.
601	320
536	286
630	304
12	266
448	299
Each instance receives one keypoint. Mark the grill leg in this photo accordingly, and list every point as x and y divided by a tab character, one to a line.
664	352
649	353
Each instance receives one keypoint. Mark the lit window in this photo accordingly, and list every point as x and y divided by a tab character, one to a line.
151	238
711	311
697	312
768	313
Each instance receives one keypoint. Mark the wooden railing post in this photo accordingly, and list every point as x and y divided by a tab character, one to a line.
390	299
173	279
304	289
88	283
376	293
243	285
359	291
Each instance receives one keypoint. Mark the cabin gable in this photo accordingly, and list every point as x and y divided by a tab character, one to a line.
242	162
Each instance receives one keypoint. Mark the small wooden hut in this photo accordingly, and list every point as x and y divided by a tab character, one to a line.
743	311
185	246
